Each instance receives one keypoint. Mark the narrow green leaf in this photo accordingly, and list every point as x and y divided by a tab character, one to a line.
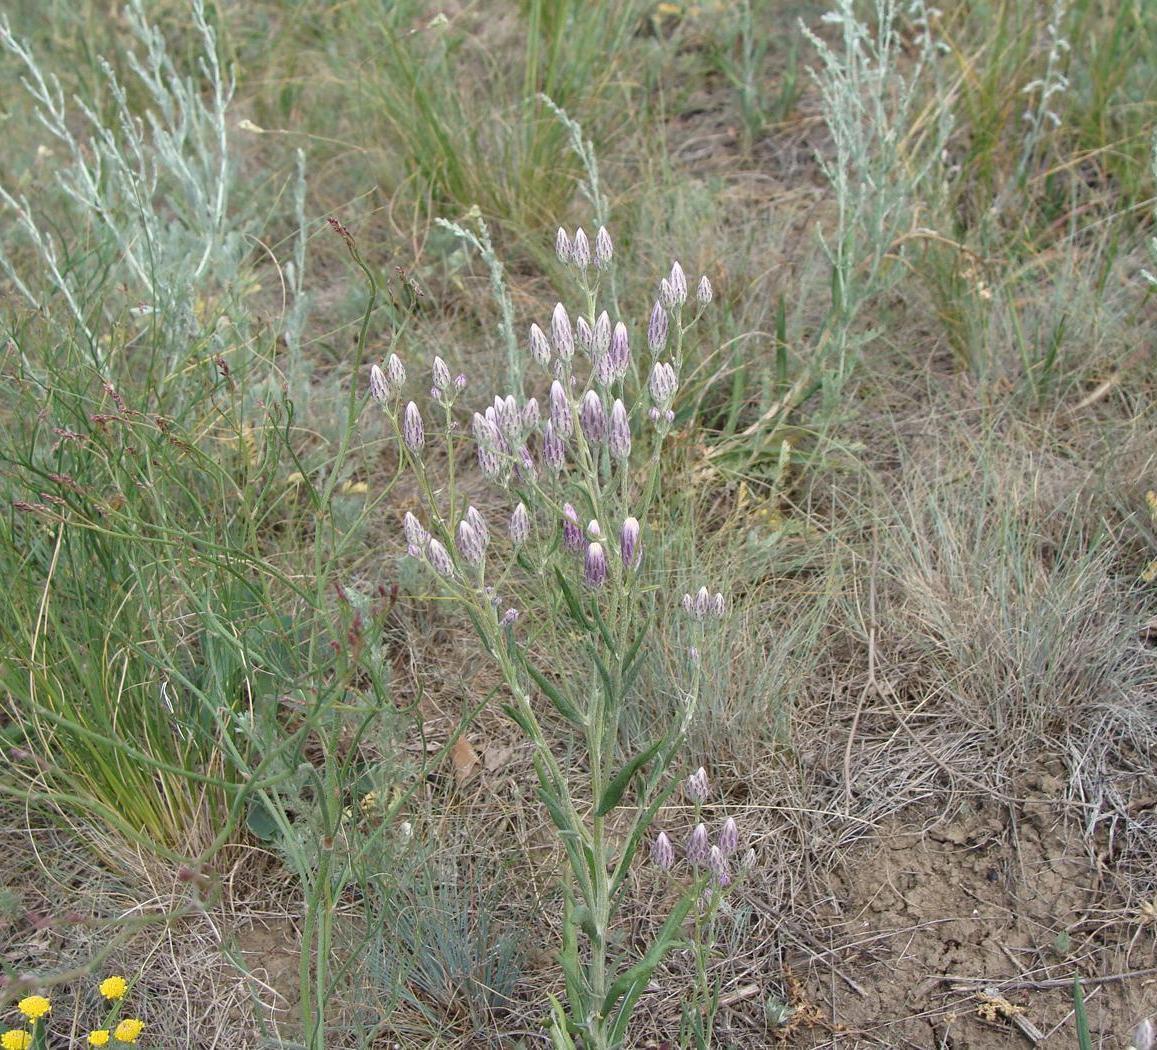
519	718
781	343
604	630
640	829
561	703
572	602
614	790
630	655
1084	1040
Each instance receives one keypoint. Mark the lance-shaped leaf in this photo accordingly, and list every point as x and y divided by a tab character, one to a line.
572	603
554	695
559	1037
637	832
576	986
614	790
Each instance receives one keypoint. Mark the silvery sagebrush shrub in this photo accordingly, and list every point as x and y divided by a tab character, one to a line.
579	475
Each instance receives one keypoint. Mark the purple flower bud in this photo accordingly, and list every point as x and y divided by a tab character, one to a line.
539	347
595	565
604	371
379	385
442	379
560	332
478	524
729	837
594	530
493	597
719	605
678	283
630	547
413	550
508	618
748	861
553	449
526	468
560	411
439	558
699	847
657	329
666	294
396	374
704	293
662	385
519	525
486	432
412	431
583	336
562	247
416	536
572	533
620	432
717	862
530	414
470	544
702	603
662	852
654	415
581	249
698	787
593	418
688	605
602	334
604	250
509	418
620	352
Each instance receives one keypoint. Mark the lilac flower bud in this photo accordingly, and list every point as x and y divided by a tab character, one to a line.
620	432
439	558
560	332
718	605
729	837
560	411
620	352
459	383
562	246
662	385
442	379
478	524
583	336
526	468
604	371
594	530
699	847
702	603
489	462
581	249
416	536
688	605
486	432
595	565
539	347
379	385
666	294
593	418
413	550
553	450
508	618
678	282
704	293
470	544
698	787
509	418
530	414
630	547
657	329
654	415
717	862
603	248
519	525
572	533
602	334
412	431
748	861
662	852
396	374
493	597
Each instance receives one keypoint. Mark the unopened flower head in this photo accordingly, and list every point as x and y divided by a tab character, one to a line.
657	329
560	414
379	385
666	294
601	337
662	852
584	337
698	786
704	292
604	249
699	846
729	837
416	536
442	380
581	249
439	558
702	603
620	353
395	374
113	987
553	449
630	544
619	437
719	605
595	565
509	618
561	333
519	525
34	1007
539	347
748	861
717	862
572	533
593	418
662	385
478	523
678	282
530	415
562	245
470	544
604	370
413	432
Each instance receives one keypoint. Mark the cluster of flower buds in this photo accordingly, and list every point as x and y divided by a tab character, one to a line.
576	250
420	544
703	604
701	853
501	434
594	545
472	538
386	383
445	389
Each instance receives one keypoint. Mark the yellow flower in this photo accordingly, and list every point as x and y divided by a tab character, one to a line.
15	1039
34	1007
98	1038
128	1030
113	987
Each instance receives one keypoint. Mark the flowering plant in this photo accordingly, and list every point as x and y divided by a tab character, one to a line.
580	475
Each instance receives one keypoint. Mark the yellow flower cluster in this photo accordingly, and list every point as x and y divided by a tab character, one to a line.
15	1039
34	1007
